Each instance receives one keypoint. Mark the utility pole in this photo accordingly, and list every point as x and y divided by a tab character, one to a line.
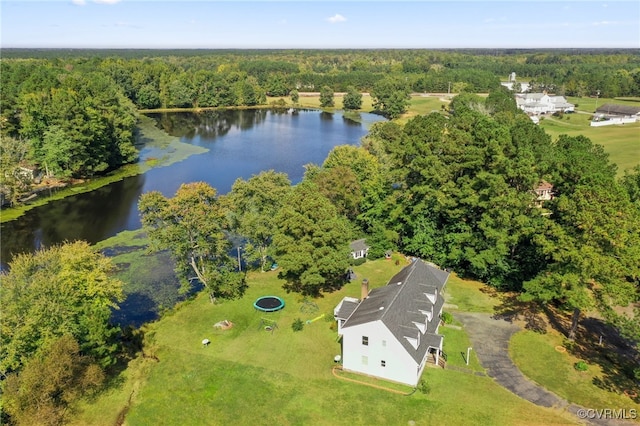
597	94
468	350
239	262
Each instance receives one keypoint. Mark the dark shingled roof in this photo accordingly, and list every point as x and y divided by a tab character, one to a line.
358	245
403	302
618	109
346	309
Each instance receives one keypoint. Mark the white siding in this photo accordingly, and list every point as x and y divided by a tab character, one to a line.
383	346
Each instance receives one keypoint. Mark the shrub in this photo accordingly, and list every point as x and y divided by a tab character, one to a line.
358	262
447	318
581	366
423	387
569	344
297	325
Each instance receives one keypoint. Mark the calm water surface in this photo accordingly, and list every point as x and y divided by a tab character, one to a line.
240	143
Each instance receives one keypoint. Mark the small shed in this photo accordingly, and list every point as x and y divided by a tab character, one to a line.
359	248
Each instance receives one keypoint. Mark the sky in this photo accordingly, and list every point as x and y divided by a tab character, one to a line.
207	24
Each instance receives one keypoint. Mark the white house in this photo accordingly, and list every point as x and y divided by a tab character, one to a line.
542	103
359	249
609	114
544	192
392	331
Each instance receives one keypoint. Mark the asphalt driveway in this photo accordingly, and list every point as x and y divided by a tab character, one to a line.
490	340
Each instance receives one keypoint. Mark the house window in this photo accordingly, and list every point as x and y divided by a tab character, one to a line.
383	363
365	360
384	343
365	340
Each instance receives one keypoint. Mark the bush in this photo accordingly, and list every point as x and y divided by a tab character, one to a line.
297	325
423	387
581	366
358	262
447	318
569	344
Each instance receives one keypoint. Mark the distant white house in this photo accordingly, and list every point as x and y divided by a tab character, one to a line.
359	249
542	103
544	192
392	331
609	114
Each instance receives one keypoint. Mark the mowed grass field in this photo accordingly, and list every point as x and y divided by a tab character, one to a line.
621	142
249	376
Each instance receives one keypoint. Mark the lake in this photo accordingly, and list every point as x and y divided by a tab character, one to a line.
240	143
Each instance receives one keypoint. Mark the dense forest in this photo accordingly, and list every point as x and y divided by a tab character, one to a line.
72	112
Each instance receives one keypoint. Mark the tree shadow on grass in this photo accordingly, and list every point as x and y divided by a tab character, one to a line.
599	343
512	309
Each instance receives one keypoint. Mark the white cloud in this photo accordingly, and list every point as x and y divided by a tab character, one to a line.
79	2
106	1
603	23
336	18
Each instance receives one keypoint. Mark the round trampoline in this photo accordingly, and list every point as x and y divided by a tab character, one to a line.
268	303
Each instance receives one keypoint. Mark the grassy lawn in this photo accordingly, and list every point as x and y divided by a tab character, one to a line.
536	356
455	346
470	296
314	102
250	376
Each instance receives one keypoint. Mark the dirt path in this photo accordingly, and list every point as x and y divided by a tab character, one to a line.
490	339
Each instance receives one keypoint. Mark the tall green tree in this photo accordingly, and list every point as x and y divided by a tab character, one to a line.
57	376
340	186
14	182
352	99
253	205
66	289
326	97
311	243
391	96
295	96
594	250
369	174
191	226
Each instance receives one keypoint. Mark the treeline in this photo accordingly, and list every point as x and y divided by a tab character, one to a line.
70	123
72	113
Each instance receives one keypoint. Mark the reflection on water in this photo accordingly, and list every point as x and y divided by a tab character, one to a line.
241	143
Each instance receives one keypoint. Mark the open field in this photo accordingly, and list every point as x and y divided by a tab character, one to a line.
622	142
250	376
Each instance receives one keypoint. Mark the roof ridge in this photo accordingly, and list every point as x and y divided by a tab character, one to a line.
413	268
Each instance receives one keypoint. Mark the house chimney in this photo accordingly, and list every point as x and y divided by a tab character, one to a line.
364	289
